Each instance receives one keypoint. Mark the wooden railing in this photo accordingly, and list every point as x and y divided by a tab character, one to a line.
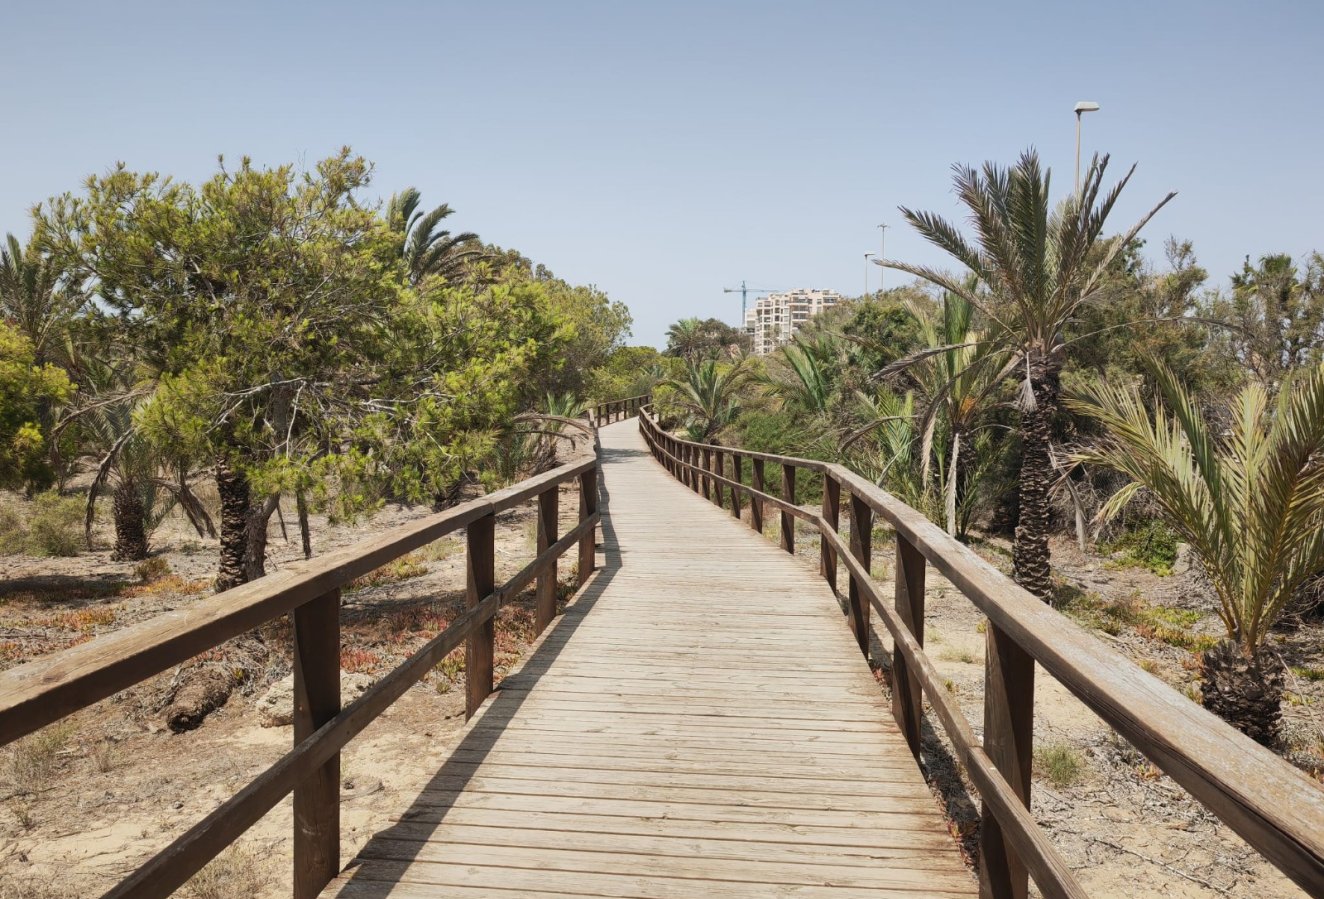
618	410
52	687
1273	806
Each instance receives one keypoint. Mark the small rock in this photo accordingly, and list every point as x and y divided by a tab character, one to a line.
276	706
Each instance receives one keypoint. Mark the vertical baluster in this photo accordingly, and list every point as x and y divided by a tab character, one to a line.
588	504
1008	740
718	488
316	701
479	646
907	695
548	502
756	502
861	547
737	476
831	512
707	467
788	520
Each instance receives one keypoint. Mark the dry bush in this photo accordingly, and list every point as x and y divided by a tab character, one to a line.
236	872
50	525
33	759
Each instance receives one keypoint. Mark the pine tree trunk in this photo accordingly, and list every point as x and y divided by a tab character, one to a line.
236	501
130	524
259	516
1246	692
1030	555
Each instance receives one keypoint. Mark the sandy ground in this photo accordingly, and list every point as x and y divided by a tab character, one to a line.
85	801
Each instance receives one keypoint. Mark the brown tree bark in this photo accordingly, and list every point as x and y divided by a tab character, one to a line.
130	523
236	502
1030	554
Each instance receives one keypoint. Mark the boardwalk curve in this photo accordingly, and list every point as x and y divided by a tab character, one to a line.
699	723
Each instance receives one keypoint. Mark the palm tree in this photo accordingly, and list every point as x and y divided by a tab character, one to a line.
708	394
1037	268
1249	502
808	383
427	250
686	338
34	299
957	369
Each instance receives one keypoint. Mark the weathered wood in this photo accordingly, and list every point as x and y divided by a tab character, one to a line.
316	846
907	698
718	466
480	560
756	502
707	469
588	507
737	476
545	603
1008	741
827	565
861	546
607	764
788	520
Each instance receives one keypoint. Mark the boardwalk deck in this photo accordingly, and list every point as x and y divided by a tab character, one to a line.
699	724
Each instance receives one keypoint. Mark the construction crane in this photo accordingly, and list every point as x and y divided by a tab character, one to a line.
744	291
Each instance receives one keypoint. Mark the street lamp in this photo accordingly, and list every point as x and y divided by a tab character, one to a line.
1082	107
867	256
882	242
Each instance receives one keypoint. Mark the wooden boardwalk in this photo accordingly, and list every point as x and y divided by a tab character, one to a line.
699	724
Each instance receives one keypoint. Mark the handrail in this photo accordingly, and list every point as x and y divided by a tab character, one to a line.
52	687
618	410
1272	805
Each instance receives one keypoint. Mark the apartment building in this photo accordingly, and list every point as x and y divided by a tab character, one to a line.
773	320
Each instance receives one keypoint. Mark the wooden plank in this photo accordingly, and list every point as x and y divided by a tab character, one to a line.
1008	738
480	560
755	503
788	521
545	603
907	698
316	844
831	512
588	507
861	545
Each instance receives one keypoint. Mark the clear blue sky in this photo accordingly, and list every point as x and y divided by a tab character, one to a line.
664	151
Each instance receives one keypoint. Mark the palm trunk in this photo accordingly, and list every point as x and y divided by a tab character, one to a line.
1030	554
236	501
953	472
130	523
1246	692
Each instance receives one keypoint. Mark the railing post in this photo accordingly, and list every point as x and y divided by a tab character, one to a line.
827	566
907	694
588	504
480	560
548	502
692	457
707	468
756	502
788	520
1008	740
736	476
718	490
861	547
316	701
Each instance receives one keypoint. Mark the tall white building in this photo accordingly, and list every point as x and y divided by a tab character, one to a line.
773	319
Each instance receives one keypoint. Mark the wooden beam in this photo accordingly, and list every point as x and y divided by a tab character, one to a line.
480	562
788	520
827	565
588	506
545	603
907	698
1008	740
316	846
756	502
861	545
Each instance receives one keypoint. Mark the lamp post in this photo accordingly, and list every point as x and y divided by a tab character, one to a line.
867	256
882	242
1082	107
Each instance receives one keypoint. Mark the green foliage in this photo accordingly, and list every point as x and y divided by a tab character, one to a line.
49	525
24	388
627	371
708	395
1248	500
1149	544
694	339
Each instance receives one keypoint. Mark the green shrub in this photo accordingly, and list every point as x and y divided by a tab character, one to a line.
56	526
1150	544
1059	764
